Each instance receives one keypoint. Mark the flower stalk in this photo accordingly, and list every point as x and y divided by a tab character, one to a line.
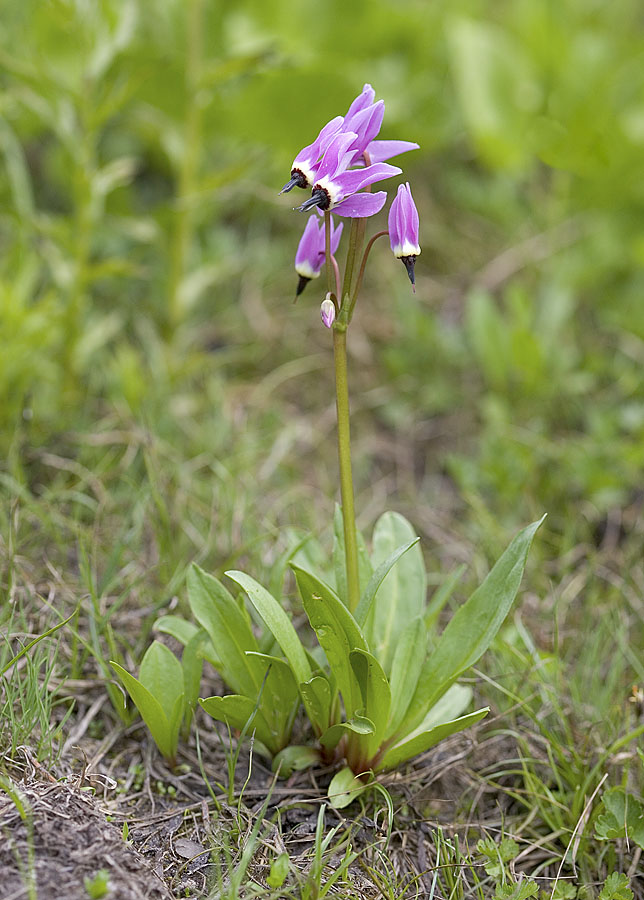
340	167
343	416
344	456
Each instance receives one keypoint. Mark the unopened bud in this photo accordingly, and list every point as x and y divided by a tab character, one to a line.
327	311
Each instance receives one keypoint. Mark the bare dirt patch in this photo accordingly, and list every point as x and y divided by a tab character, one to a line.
55	837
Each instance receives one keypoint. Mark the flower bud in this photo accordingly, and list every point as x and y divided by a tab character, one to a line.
403	230
327	311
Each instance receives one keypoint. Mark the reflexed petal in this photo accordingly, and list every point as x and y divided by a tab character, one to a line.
310	155
367	125
353	181
380	151
336	157
359	206
362	101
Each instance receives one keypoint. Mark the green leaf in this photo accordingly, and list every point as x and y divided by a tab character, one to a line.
409	657
497	855
277	622
616	887
192	666
563	890
241	713
442	595
175	719
623	817
151	712
279	870
231	635
521	890
471	629
280	696
294	759
376	696
367	598
402	594
451	705
161	673
337	632
345	788
316	694
356	725
178	628
406	749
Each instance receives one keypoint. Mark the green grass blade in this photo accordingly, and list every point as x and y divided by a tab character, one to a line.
37	640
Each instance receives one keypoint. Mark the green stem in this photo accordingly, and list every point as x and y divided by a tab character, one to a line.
363	264
327	252
342	407
344	455
352	252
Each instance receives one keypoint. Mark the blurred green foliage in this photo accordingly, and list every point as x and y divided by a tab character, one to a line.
146	259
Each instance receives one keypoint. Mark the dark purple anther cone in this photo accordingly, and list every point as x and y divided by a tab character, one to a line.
319	198
409	263
298	179
301	284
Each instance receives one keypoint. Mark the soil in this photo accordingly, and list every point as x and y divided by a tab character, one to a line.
56	840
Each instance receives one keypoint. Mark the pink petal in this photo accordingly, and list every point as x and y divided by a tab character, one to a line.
359	206
361	102
356	179
335	154
380	151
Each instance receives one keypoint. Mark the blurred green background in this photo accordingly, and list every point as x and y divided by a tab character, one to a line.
155	376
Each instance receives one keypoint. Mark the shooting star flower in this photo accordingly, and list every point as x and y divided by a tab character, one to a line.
364	119
311	253
337	188
403	230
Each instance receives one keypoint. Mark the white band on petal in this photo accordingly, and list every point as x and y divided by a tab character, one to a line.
406	249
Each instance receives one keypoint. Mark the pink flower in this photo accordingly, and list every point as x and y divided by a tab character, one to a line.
403	229
311	253
364	120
